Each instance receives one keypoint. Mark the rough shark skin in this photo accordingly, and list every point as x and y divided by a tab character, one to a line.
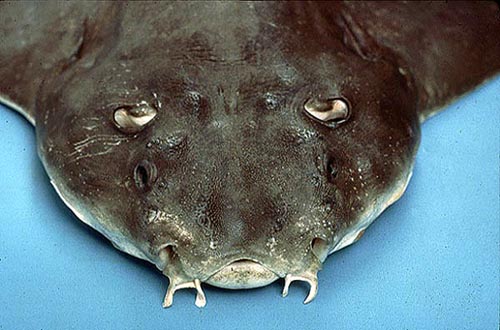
223	176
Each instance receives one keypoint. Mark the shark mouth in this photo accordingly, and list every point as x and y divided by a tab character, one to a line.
239	274
242	274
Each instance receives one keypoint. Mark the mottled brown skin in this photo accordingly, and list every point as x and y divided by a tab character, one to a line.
241	171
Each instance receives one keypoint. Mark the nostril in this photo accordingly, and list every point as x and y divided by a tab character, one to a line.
167	256
320	248
167	253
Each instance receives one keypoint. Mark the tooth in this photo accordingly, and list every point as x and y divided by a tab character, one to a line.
288	280
169	296
312	279
200	301
313	291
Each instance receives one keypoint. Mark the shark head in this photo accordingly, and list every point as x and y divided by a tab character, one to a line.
227	157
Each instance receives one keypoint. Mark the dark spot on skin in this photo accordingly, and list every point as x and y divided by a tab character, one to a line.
82	42
316	180
220	91
331	170
328	167
278	225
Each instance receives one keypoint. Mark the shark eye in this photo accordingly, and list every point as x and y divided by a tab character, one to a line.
145	174
330	112
133	119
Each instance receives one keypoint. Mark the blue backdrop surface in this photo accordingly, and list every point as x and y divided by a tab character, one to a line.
431	261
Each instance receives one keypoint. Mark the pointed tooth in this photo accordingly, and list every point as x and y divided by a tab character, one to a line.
169	296
288	280
172	288
201	300
312	280
313	291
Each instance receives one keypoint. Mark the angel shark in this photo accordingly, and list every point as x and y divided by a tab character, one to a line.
236	143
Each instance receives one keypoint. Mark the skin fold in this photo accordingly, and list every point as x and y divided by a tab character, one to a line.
230	180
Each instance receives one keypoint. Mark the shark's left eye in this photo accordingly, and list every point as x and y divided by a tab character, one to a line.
331	112
133	119
145	174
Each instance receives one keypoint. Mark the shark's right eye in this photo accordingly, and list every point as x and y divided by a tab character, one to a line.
133	119
330	112
145	174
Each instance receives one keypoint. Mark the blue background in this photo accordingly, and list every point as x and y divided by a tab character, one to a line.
430	261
